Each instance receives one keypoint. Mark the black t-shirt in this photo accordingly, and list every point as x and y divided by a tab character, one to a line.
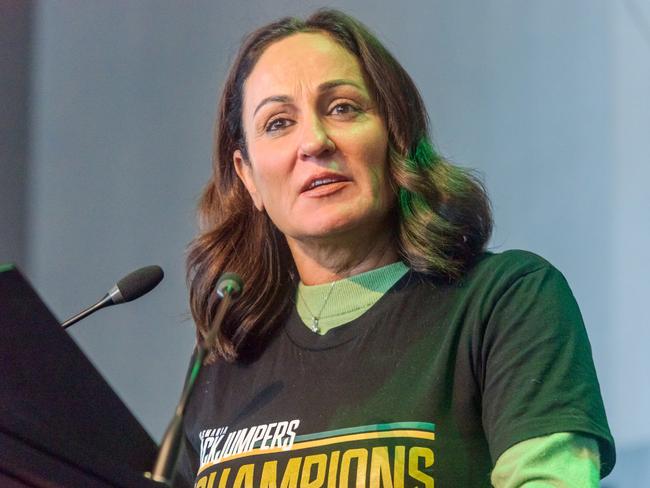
431	384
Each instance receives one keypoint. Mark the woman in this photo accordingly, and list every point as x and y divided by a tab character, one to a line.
376	344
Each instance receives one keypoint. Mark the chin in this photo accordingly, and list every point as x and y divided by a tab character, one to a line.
335	227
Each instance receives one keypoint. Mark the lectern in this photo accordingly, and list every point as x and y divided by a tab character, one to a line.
61	424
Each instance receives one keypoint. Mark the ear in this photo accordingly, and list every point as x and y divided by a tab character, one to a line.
245	172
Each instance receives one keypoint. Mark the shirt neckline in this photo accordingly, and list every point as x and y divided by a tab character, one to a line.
342	301
306	339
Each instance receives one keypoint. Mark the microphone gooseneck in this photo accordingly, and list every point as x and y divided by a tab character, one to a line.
132	286
229	288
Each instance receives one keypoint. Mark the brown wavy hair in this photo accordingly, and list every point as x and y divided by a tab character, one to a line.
443	212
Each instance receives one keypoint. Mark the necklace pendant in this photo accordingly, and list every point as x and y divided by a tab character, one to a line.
314	324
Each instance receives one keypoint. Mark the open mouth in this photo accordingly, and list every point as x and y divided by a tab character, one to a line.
323	181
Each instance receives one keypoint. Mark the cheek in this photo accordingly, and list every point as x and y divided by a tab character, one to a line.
372	156
271	176
375	155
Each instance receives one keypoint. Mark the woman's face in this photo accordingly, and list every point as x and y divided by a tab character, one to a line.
316	143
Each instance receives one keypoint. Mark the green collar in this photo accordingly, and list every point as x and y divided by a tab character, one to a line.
341	301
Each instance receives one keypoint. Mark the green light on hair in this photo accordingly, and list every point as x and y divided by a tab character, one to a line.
423	156
6	267
410	203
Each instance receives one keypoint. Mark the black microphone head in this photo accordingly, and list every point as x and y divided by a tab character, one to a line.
231	284
139	282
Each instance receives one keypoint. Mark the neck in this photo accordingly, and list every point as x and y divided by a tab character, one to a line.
321	261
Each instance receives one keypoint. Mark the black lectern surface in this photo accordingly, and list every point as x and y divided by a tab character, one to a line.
61	424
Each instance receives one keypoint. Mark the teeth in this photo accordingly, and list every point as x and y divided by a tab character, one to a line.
321	182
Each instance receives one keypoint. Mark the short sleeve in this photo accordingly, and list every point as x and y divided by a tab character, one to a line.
539	376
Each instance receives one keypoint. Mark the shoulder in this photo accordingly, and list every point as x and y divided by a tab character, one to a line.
501	271
512	276
492	273
513	263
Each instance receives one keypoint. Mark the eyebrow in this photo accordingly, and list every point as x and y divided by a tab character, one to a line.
323	87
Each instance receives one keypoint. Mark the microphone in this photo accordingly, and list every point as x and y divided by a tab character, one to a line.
132	286
229	288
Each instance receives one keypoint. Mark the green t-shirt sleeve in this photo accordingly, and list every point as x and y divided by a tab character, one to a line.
563	459
539	376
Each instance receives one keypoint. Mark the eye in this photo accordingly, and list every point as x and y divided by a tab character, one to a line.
344	109
277	124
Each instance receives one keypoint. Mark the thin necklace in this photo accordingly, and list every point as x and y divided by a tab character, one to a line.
316	317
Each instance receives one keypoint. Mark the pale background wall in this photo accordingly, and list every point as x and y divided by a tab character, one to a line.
549	100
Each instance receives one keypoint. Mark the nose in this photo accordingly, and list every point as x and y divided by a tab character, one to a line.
315	141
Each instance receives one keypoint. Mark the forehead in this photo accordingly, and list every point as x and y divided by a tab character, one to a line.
300	61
